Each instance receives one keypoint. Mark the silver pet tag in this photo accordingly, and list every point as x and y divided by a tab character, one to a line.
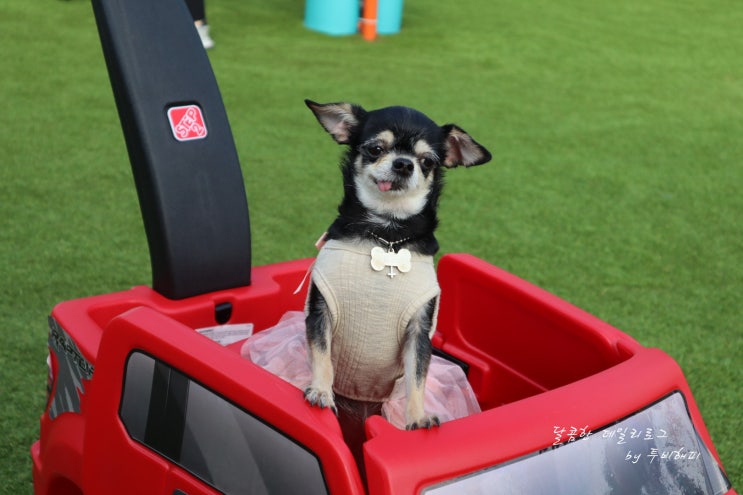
400	260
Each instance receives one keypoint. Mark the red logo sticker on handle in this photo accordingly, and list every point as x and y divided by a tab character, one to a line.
187	123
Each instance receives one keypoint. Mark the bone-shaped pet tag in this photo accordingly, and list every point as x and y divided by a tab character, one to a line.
400	260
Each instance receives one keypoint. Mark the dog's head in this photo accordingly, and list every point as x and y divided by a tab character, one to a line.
396	155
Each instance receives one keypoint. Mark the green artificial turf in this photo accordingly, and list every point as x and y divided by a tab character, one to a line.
616	129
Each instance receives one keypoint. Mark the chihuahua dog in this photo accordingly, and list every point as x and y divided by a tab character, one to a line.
373	297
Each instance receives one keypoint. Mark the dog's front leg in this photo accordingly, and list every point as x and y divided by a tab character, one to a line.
416	358
320	391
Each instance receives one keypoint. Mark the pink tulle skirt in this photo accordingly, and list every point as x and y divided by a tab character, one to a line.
282	350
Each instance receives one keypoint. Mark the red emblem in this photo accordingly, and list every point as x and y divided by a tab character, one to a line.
187	123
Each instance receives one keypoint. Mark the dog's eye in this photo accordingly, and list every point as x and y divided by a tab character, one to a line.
427	162
374	150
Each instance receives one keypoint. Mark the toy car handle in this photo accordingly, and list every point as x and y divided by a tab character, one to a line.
182	154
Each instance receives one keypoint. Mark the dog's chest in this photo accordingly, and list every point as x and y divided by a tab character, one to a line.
370	311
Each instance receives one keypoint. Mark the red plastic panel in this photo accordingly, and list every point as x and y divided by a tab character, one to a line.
395	462
216	368
519	339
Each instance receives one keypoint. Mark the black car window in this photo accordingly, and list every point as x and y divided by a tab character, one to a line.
218	442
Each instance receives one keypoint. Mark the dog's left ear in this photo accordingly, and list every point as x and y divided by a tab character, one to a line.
461	149
341	120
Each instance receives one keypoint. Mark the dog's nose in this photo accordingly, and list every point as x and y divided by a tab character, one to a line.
403	166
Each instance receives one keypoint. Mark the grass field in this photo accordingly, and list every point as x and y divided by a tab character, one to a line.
616	129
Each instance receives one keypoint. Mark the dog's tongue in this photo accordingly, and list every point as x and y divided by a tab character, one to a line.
384	186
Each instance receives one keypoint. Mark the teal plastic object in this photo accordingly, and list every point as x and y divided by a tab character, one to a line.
389	16
334	17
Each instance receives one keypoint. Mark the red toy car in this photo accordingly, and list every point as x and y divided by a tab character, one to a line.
140	402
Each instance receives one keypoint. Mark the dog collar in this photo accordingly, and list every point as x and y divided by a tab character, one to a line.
390	244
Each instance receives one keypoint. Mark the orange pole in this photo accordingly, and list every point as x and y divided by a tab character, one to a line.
369	20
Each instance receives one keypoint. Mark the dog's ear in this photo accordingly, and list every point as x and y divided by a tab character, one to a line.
461	149
341	120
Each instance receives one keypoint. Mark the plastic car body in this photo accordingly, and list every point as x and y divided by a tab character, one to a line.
549	377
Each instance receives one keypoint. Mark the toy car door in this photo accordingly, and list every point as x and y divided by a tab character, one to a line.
172	412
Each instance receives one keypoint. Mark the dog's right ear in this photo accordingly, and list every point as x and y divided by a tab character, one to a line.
341	120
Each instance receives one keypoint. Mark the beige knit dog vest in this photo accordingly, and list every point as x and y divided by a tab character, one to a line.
370	312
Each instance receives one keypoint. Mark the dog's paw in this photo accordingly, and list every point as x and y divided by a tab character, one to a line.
426	422
320	398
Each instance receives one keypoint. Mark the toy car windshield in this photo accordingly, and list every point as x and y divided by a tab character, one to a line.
655	451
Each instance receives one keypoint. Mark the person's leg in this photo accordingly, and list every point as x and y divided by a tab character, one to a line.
198	12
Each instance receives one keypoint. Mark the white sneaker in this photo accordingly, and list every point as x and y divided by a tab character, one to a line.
206	40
